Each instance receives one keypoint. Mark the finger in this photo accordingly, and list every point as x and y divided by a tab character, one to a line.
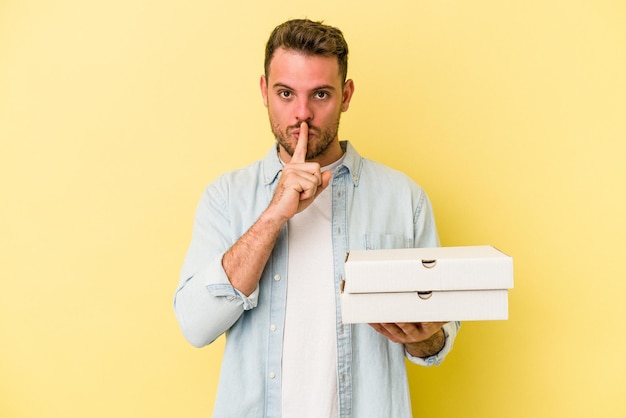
391	331
379	328
303	177
303	181
326	176
299	154
324	182
412	331
420	330
430	327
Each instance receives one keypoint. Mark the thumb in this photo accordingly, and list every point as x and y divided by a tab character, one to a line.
326	176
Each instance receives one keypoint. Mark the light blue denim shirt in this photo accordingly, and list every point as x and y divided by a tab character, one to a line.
373	207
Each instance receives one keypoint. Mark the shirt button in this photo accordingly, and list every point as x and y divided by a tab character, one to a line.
273	327
272	375
277	277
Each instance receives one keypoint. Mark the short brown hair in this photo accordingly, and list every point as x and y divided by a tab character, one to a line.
310	38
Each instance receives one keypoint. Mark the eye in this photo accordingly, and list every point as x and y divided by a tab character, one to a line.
321	94
285	94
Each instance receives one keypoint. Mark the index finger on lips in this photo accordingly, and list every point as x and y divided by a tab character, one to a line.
299	154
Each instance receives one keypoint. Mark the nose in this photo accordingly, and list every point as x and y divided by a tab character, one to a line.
304	111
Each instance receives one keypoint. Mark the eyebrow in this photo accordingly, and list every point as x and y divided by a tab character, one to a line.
322	87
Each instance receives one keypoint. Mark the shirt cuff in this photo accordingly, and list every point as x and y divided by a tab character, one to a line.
249	302
221	287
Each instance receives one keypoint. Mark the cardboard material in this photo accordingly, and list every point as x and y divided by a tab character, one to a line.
426	285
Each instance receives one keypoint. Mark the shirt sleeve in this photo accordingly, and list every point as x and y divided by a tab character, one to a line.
450	330
205	303
424	222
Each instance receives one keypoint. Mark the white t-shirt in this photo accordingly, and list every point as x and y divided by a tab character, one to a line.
309	368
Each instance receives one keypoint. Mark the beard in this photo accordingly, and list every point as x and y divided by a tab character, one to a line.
316	147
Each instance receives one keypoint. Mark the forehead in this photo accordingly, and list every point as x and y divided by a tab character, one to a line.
294	68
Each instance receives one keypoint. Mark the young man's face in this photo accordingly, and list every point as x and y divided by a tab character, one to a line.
306	88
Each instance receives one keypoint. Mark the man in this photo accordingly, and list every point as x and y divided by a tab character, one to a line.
266	257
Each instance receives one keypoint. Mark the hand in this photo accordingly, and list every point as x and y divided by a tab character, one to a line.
421	339
300	183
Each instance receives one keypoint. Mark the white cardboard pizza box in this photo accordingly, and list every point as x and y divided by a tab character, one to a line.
426	285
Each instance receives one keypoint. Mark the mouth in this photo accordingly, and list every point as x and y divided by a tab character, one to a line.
296	133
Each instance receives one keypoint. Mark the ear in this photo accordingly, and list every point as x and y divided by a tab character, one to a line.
348	91
263	85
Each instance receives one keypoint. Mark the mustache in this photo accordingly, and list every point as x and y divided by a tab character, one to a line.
296	128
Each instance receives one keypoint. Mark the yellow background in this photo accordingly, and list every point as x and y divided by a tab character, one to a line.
114	115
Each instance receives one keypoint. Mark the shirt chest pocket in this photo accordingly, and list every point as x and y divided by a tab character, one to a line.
378	241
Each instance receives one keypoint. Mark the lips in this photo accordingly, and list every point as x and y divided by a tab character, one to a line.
296	132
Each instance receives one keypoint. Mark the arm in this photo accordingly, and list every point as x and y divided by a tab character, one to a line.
217	285
299	185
